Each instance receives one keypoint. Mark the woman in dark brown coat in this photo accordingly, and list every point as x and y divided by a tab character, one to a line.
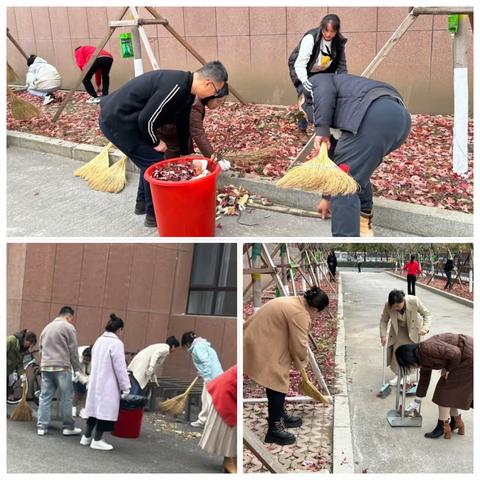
453	354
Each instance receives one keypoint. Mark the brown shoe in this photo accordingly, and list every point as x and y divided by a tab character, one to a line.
366	227
456	422
229	465
442	429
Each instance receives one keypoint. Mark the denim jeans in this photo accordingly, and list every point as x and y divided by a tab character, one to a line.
56	381
135	388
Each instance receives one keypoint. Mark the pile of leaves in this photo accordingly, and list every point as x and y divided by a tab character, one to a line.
419	172
162	424
174	172
232	200
457	289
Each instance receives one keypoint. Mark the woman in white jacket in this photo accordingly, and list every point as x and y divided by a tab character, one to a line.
42	79
108	382
146	362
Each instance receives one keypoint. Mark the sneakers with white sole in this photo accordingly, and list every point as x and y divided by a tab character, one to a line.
85	440
101	445
48	99
71	431
91	100
82	414
41	431
197	423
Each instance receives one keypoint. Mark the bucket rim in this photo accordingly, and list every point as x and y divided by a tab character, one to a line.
148	172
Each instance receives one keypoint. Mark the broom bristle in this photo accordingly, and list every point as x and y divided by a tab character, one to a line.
22	413
308	388
21	109
113	179
175	406
320	175
95	166
249	156
11	74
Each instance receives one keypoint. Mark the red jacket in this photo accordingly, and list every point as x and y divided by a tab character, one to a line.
83	55
223	390
412	268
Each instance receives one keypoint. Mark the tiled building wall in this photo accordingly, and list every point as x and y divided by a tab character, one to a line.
254	43
146	285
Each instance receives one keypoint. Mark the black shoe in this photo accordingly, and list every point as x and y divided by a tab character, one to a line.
291	421
302	124
150	221
140	208
277	434
442	429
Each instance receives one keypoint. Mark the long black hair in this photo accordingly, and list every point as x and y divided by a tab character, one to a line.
317	298
407	355
114	324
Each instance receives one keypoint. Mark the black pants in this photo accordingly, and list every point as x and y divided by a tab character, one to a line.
143	156
449	280
411	280
276	406
104	64
333	271
100	427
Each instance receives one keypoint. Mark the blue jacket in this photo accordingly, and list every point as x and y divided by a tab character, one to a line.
205	359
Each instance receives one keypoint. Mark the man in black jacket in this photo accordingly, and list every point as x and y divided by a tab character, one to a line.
372	120
131	115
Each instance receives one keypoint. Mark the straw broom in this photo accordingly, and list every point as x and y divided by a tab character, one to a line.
249	156
23	413
11	74
320	174
308	388
21	109
113	179
95	167
176	405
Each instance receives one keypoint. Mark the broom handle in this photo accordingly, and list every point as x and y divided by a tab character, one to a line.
384	361
24	391
189	389
19	48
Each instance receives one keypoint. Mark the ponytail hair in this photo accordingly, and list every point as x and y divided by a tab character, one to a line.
316	298
114	324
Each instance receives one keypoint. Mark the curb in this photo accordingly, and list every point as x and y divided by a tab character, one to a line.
451	296
76	151
342	433
417	220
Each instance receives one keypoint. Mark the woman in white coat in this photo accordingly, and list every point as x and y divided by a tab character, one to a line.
108	383
147	361
42	79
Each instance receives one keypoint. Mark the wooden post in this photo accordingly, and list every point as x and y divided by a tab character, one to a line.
178	37
283	259
256	277
460	88
77	83
144	37
137	52
18	47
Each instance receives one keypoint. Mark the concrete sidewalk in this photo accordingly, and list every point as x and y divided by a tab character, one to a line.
378	447
44	199
153	452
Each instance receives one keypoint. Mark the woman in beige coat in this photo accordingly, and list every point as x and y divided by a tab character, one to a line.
409	320
274	339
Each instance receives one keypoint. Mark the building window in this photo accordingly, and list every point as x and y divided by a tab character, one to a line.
213	280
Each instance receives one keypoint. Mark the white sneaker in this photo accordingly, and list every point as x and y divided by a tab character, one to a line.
69	432
91	100
393	381
101	445
82	414
48	99
85	440
41	431
96	100
197	423
74	411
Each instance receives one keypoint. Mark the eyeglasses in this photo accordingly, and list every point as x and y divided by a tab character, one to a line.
215	88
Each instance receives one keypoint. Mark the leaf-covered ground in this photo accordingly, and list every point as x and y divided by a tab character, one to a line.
457	289
419	172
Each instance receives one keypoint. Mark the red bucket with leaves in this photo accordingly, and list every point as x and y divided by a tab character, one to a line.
185	208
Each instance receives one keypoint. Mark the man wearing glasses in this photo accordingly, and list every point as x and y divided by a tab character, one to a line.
131	115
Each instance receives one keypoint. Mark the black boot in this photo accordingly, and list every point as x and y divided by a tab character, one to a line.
150	221
442	428
277	434
140	208
291	421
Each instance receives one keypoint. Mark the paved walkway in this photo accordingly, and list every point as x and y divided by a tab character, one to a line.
155	451
378	447
44	199
312	451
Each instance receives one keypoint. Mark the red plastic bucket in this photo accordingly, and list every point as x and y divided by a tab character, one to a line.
187	208
129	423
